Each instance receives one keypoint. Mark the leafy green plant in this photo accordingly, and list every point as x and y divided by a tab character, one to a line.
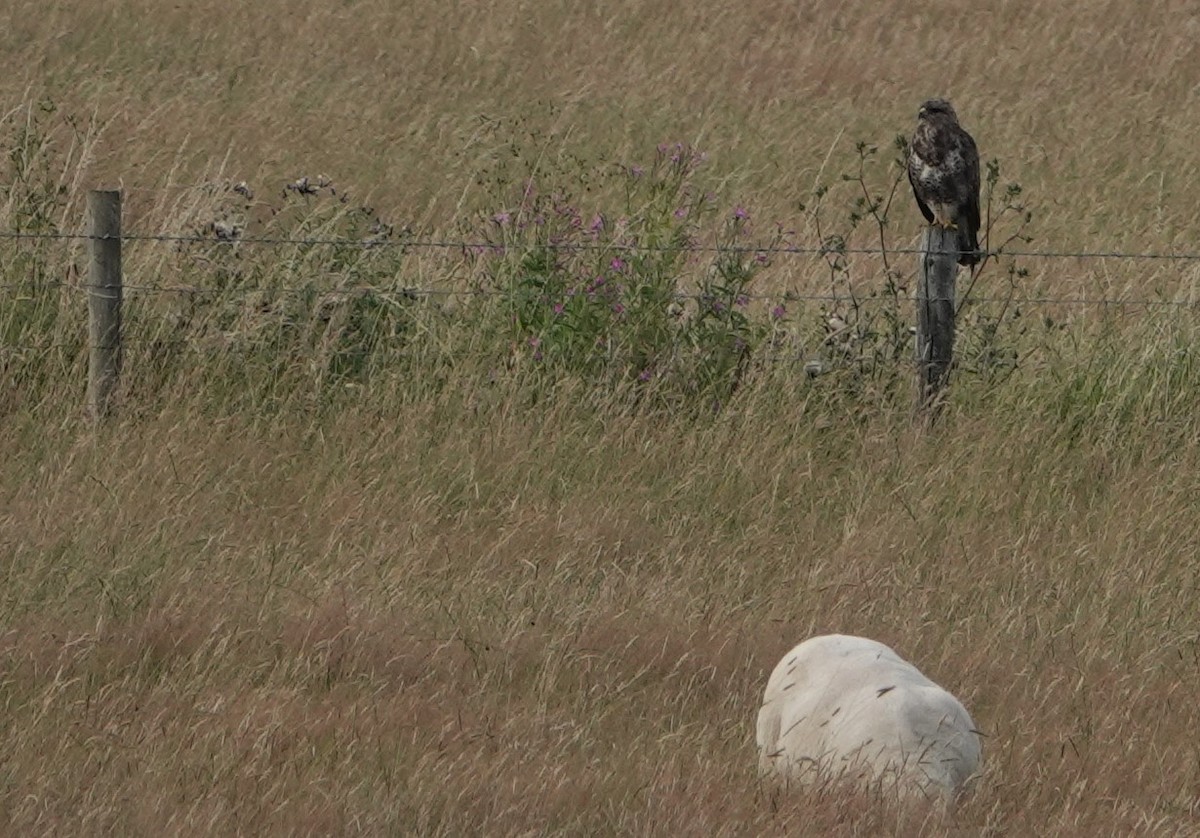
605	296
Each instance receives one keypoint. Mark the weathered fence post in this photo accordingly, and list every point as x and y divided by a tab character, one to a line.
104	300
937	266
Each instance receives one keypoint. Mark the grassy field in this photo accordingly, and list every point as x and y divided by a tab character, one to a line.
350	561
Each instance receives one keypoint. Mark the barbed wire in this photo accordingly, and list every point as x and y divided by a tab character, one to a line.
176	341
482	246
491	247
414	292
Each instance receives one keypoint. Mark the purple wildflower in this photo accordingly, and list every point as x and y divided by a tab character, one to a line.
740	213
681	212
636	171
617	264
741	300
501	218
644	375
618	308
535	342
597	224
558	308
778	312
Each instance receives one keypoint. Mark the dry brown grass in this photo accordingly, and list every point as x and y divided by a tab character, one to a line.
545	625
1088	105
446	616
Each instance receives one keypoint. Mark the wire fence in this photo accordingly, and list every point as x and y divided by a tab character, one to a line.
480	246
105	289
584	247
415	292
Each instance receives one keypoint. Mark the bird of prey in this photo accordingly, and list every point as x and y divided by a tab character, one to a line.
943	168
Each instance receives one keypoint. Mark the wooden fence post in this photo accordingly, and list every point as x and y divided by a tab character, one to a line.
104	300
937	266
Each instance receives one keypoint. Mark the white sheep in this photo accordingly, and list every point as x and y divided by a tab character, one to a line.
851	708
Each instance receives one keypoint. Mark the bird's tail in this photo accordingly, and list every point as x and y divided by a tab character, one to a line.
968	246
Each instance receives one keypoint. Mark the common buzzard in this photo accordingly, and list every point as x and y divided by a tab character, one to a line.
943	168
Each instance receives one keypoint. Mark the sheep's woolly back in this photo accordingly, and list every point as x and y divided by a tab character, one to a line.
849	707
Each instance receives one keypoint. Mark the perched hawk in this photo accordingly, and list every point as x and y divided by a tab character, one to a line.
943	168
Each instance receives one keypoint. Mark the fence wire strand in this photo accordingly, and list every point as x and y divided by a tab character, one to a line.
491	247
783	297
583	247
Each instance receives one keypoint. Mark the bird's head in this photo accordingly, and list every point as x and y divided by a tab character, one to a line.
932	108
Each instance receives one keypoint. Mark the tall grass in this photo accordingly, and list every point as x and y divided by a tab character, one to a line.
518	558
